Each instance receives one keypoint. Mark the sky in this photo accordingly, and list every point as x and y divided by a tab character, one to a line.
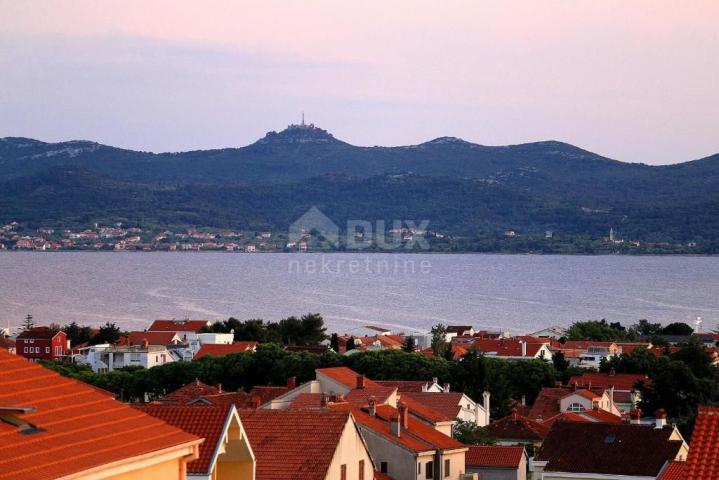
635	80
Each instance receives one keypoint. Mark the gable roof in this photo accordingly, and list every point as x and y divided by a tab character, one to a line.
267	393
203	421
177	325
703	458
504	347
190	392
494	456
546	405
446	403
82	428
346	376
616	449
674	471
405	385
220	350
153	338
295	444
517	427
38	332
620	381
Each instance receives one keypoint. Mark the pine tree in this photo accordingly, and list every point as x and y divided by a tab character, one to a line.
409	344
28	323
335	343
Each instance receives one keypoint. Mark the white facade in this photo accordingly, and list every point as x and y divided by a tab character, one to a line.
106	358
215	338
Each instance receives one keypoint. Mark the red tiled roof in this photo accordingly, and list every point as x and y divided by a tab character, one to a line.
306	401
404	385
7	343
220	350
177	325
153	338
203	421
446	403
360	397
517	427
190	392
381	476
675	471
703	459
505	347
620	381
605	448
420	430
38	332
81	427
493	456
584	344
630	347
345	376
267	393
546	405
425	412
293	445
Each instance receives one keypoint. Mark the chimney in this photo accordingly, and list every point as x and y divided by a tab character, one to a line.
524	400
485	403
524	347
291	383
323	400
425	387
661	418
145	344
394	426
360	382
403	411
255	402
446	388
635	416
219	388
372	402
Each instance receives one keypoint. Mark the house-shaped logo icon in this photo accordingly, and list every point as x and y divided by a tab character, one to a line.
316	224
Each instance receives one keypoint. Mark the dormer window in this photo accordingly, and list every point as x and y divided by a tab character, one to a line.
576	407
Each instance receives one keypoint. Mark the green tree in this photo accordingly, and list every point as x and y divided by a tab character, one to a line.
409	345
335	342
108	333
28	323
597	330
560	362
350	345
77	334
439	340
470	433
677	328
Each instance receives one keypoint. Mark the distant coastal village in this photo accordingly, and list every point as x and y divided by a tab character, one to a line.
120	237
595	400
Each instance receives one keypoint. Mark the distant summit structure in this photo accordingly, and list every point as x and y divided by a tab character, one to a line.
299	133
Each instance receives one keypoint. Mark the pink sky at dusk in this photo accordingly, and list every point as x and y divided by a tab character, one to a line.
631	80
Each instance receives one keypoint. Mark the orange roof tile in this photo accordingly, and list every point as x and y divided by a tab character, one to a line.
153	338
674	471
346	376
506	347
220	350
494	456
620	381
446	403
517	427
190	392
267	393
419	430
81	427
405	385
703	459
203	421
293	445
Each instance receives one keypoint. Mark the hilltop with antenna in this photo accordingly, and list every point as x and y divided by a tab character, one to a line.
299	133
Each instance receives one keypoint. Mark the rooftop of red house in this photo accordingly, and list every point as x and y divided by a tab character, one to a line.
457	351
584	344
220	350
494	456
266	393
38	333
293	443
518	427
7	343
152	338
191	391
703	458
346	376
506	347
546	405
206	422
178	325
445	403
620	381
610	449
67	427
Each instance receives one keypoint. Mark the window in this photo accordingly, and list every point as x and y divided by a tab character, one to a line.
429	470
47	349
361	470
134	357
383	467
446	467
419	468
32	340
576	407
25	350
343	472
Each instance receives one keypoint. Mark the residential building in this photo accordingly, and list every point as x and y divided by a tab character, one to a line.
516	429
608	451
625	386
703	459
555	331
187	330
216	338
106	358
225	454
497	462
42	343
56	427
454	405
220	350
513	349
7	344
412	385
461	330
307	445
199	393
552	403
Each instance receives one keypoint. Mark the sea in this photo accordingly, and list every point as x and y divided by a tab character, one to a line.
403	292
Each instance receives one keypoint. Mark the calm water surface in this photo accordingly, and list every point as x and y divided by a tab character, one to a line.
406	292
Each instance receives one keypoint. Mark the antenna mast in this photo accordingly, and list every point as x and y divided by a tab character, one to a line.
303	119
